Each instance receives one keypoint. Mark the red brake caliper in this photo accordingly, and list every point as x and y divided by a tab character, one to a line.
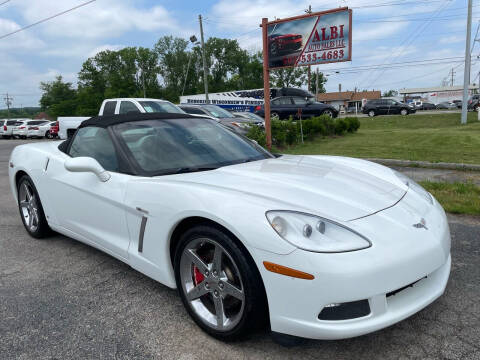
197	276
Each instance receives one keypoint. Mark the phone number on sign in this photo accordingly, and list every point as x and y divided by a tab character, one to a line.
315	57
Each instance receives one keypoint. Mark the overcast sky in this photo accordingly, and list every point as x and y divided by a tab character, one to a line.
384	32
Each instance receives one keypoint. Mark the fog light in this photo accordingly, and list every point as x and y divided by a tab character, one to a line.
345	311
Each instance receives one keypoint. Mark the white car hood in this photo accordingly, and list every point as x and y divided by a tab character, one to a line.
335	187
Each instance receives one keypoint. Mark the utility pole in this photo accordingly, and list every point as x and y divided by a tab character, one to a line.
205	70
309	71
8	102
466	75
316	86
452	73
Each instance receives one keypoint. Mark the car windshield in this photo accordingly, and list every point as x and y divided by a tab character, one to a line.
218	112
151	106
162	147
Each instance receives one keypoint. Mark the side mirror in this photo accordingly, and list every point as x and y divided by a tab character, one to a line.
87	164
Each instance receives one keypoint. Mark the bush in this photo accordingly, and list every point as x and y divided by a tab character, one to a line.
288	132
340	126
258	134
353	124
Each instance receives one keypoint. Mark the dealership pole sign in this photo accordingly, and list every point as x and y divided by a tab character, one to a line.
311	39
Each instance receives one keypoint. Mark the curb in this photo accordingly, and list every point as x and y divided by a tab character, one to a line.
426	164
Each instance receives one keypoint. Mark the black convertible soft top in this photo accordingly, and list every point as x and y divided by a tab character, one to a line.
109	120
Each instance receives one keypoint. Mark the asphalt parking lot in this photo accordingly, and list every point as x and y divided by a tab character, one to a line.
61	299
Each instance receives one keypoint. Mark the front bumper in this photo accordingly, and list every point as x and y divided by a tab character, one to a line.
396	260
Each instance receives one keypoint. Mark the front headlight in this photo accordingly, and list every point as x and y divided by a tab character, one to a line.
415	187
314	233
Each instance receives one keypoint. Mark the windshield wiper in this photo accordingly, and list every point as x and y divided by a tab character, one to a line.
192	169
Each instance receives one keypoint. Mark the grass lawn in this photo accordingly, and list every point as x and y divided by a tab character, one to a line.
430	137
457	198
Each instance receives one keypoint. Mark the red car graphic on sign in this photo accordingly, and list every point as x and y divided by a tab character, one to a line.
284	43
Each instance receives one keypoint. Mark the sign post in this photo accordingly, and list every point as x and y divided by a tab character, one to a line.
266	84
305	40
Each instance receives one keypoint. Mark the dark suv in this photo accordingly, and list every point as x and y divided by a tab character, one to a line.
285	106
387	107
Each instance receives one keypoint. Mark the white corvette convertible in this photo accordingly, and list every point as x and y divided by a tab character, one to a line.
318	247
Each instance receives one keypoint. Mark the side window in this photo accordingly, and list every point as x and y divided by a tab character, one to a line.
128	107
95	142
285	101
276	102
299	101
109	108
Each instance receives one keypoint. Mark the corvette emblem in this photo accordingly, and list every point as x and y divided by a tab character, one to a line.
421	224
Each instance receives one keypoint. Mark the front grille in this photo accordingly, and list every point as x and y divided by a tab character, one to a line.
394	292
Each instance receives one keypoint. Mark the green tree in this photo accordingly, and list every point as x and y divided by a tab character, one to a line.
390	93
173	60
322	80
289	77
55	93
111	74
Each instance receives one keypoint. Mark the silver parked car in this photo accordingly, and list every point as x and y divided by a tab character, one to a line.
237	123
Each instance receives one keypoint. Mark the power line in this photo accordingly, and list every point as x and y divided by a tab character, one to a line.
46	19
408	40
388	67
4	2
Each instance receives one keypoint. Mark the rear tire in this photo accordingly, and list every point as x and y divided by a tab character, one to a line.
30	208
371	113
213	272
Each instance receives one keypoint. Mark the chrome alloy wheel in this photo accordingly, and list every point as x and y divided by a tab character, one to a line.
212	284
29	206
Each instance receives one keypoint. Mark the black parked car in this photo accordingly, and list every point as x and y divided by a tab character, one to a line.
387	107
285	106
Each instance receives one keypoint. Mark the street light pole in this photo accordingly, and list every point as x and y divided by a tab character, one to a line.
193	40
466	77
205	69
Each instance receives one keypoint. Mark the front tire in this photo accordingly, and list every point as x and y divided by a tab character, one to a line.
371	113
404	112
219	283
329	113
31	210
